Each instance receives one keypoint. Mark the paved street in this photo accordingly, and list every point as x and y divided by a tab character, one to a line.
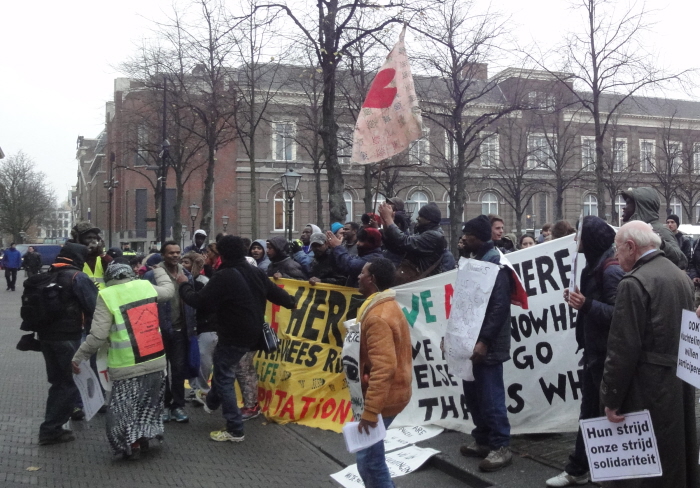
271	455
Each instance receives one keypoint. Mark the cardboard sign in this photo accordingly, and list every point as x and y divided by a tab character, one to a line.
624	450
89	388
688	368
145	329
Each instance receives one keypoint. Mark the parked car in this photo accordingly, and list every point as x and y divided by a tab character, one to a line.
48	252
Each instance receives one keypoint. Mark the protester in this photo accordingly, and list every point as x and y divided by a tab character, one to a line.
177	324
114	253
338	229
643	204
350	238
88	235
497	229
385	364
526	240
11	263
281	265
211	260
240	292
401	219
508	243
371	220
562	228
595	302
60	340
485	396
199	242
672	223
642	357
323	267
257	252
137	376
31	261
545	232
369	248
425	248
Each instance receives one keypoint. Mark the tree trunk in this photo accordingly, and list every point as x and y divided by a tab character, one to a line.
177	208
319	195
456	206
558	205
206	219
253	193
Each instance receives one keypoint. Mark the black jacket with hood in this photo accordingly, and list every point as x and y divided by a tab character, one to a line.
423	248
282	263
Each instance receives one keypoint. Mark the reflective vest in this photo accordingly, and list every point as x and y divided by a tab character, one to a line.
98	276
135	335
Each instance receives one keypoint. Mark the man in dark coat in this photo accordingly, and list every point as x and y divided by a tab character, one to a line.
323	268
643	204
486	396
595	302
281	264
640	368
672	222
424	248
31	261
369	248
241	292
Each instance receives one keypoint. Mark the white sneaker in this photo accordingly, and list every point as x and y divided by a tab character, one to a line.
565	479
201	397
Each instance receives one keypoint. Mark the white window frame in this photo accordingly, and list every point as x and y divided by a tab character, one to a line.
422	202
675	152
619	207
419	151
676	208
349	205
141	156
278	132
280	197
647	162
450	149
588	146
696	157
489	151
619	154
489	205
379	199
543	147
590	202
345	150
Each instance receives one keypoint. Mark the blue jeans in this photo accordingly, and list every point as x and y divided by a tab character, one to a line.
222	392
486	400
371	464
176	353
63	392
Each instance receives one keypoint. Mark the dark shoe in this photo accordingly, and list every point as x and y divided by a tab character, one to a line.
178	415
77	414
64	436
143	443
500	458
250	413
166	415
474	449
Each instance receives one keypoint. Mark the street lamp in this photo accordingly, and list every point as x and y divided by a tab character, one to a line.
290	183
194	210
110	185
184	232
22	235
410	206
224	221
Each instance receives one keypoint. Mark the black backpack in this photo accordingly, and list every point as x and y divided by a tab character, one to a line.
44	299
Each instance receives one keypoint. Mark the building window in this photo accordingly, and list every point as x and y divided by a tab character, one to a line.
141	154
619	155
347	196
381	198
450	148
647	163
283	147
676	208
489	203
619	207
418	152
675	156
540	152
345	135
590	205
588	153
696	157
281	211
420	198
489	151
541	100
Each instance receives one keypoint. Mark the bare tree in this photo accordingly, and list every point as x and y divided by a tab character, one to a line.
328	27
26	197
688	187
668	166
458	98
617	169
607	60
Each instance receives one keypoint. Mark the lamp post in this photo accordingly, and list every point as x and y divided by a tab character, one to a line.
410	206
184	232
164	162
224	221
22	235
194	210
290	183
110	185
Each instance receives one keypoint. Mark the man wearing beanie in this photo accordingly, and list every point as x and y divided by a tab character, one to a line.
672	222
425	248
485	396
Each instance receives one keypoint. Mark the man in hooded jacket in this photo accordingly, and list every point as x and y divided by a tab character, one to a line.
258	252
643	204
199	243
281	265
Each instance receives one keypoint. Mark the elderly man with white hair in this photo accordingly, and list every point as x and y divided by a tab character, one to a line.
640	367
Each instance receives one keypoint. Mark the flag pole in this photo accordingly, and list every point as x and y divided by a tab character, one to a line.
379	180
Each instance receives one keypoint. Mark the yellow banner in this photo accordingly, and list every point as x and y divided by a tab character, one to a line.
303	381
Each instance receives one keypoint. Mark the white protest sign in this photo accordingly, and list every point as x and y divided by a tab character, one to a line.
101	362
351	367
622	450
399	462
89	388
405	436
475	280
688	368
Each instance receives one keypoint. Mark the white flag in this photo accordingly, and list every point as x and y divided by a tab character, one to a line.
390	116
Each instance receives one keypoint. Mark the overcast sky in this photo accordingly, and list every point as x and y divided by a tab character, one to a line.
57	63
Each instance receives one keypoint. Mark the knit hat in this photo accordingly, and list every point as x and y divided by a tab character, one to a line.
118	271
153	260
479	227
675	218
81	228
336	226
430	212
371	236
114	252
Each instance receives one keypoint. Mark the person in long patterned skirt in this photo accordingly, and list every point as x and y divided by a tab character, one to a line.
126	317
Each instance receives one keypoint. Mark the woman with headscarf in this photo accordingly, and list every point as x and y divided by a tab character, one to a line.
126	318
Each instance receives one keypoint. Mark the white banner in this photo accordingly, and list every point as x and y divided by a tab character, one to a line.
475	280
542	381
688	368
89	388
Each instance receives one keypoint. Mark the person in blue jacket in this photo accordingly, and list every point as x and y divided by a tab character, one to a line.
11	263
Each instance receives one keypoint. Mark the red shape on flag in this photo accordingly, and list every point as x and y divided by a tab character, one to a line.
379	95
